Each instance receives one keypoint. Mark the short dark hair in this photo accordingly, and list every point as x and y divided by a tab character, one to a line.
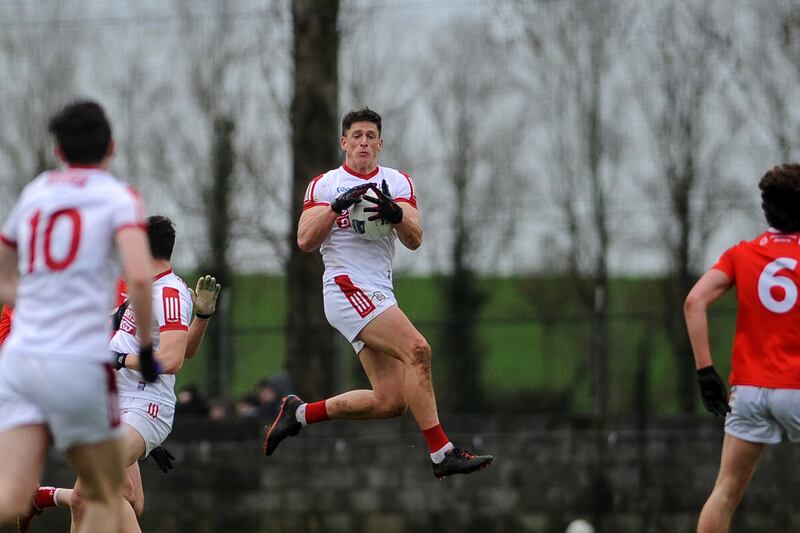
780	197
161	235
82	132
362	115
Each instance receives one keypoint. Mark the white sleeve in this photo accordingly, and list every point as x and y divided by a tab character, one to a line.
173	309
129	210
317	193
405	190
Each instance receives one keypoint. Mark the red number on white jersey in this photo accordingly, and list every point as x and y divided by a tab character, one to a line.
53	263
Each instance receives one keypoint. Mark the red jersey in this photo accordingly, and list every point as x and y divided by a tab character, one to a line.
5	323
766	347
122	292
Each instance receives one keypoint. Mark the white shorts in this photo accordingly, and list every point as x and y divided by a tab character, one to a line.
759	414
350	307
77	400
152	420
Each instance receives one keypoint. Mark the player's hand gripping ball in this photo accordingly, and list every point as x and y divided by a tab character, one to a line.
365	228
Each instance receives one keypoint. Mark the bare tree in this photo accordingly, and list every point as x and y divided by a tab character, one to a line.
471	148
215	174
40	55
571	46
312	357
681	90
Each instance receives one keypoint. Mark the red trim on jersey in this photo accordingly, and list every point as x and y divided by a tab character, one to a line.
122	291
309	205
358	174
8	242
171	302
137	225
410	201
173	327
112	396
410	183
5	323
310	202
84	167
159	276
357	298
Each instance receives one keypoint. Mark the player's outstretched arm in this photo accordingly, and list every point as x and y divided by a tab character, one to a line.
204	298
8	274
409	231
135	253
169	358
314	226
707	290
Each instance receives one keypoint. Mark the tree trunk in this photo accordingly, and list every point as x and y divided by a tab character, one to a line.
219	222
311	354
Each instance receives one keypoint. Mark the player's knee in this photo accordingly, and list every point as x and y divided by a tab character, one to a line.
421	354
394	407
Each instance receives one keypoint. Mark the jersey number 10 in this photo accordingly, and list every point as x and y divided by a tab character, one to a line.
73	217
769	279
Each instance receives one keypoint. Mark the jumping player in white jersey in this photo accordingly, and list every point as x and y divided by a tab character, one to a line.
56	372
147	409
359	298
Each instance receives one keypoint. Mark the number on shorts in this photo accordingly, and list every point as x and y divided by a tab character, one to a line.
55	264
770	278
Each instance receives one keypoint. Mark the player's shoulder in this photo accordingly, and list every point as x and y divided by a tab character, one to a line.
395	173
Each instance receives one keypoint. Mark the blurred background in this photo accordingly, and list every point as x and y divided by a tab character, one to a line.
578	164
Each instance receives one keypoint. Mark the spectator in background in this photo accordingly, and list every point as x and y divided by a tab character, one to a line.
269	403
247	406
216	410
191	402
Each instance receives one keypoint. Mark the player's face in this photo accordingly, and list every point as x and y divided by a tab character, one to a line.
361	145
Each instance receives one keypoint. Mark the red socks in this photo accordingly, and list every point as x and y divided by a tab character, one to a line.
436	438
44	497
316	412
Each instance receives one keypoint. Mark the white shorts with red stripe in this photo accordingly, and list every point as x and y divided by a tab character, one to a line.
350	305
77	400
152	420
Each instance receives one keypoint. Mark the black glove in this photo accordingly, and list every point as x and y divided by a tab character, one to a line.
713	391
116	318
349	197
120	360
385	207
163	458
148	366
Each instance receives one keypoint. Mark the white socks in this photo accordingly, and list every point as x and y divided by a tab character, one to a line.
300	414
438	456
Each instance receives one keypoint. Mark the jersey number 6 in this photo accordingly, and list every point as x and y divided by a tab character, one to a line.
769	279
74	218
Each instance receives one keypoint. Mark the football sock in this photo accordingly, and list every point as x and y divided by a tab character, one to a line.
311	413
45	497
438	444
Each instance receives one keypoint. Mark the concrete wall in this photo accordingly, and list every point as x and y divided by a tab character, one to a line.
373	477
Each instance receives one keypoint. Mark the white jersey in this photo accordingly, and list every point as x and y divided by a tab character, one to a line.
172	309
343	251
63	227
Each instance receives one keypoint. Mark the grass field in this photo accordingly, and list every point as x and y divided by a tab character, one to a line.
533	333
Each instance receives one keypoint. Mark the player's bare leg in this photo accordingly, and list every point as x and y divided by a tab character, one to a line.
397	359
385	400
739	459
22	455
131	494
100	470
